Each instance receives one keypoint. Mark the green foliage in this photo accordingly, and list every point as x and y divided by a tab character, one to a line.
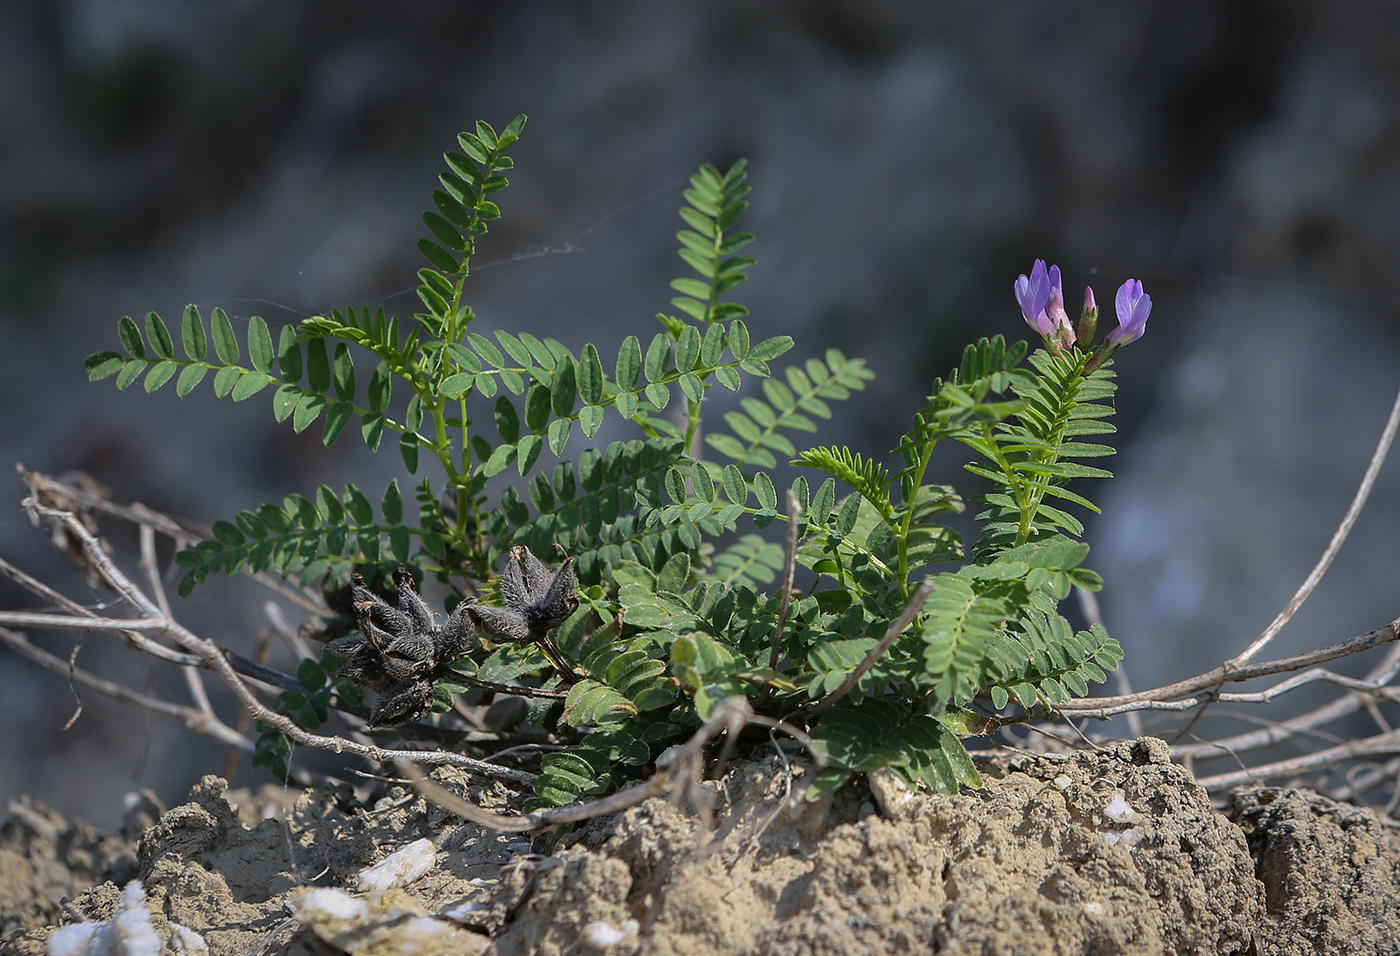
679	595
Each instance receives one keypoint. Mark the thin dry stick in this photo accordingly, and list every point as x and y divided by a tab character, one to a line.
789	576
916	604
184	533
215	659
1152	699
677	772
140	641
1387	743
148	563
195	720
1344	706
1357	502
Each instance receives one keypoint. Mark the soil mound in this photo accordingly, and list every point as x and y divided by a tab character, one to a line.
1114	851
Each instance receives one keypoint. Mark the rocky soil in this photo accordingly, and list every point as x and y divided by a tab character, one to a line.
1114	851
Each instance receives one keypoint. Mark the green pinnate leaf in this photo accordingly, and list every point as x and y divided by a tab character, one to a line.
248	384
738	339
131	337
328	506
338	415
564	391
192	337
103	365
225	379
769	349
400	543
515	348
190	377
439	257
357	506
658	395
444	232
159	337
692	387
343	372
590	376
260	352
658	358
308	407
225	342
629	364
590	419
408	451
537	407
507	420
391	507
764	491
160	373
559	431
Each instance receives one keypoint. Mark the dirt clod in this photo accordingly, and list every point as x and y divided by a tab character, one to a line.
1113	851
1331	872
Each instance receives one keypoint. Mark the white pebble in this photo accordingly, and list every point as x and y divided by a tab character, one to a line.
331	904
400	868
461	912
1125	837
603	934
419	933
186	942
77	939
130	932
1062	782
1118	808
1094	908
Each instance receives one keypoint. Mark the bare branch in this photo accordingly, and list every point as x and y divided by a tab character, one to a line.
196	720
184	533
677	771
1343	706
215	659
1225	673
63	622
1387	743
1358	501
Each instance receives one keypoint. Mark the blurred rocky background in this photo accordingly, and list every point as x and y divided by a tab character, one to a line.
1240	157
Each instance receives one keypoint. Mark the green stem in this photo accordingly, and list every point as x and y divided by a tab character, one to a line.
692	427
908	522
1018	487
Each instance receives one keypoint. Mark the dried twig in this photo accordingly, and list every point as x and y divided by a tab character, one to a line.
1357	502
1158	697
195	719
1387	743
679	772
183	533
212	656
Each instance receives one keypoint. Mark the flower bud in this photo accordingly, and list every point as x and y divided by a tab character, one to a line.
1088	319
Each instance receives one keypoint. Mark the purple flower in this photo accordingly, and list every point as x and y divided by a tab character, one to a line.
1033	294
1042	302
1055	312
1133	306
1055	308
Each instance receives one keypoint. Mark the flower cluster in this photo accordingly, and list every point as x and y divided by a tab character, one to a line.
1042	302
